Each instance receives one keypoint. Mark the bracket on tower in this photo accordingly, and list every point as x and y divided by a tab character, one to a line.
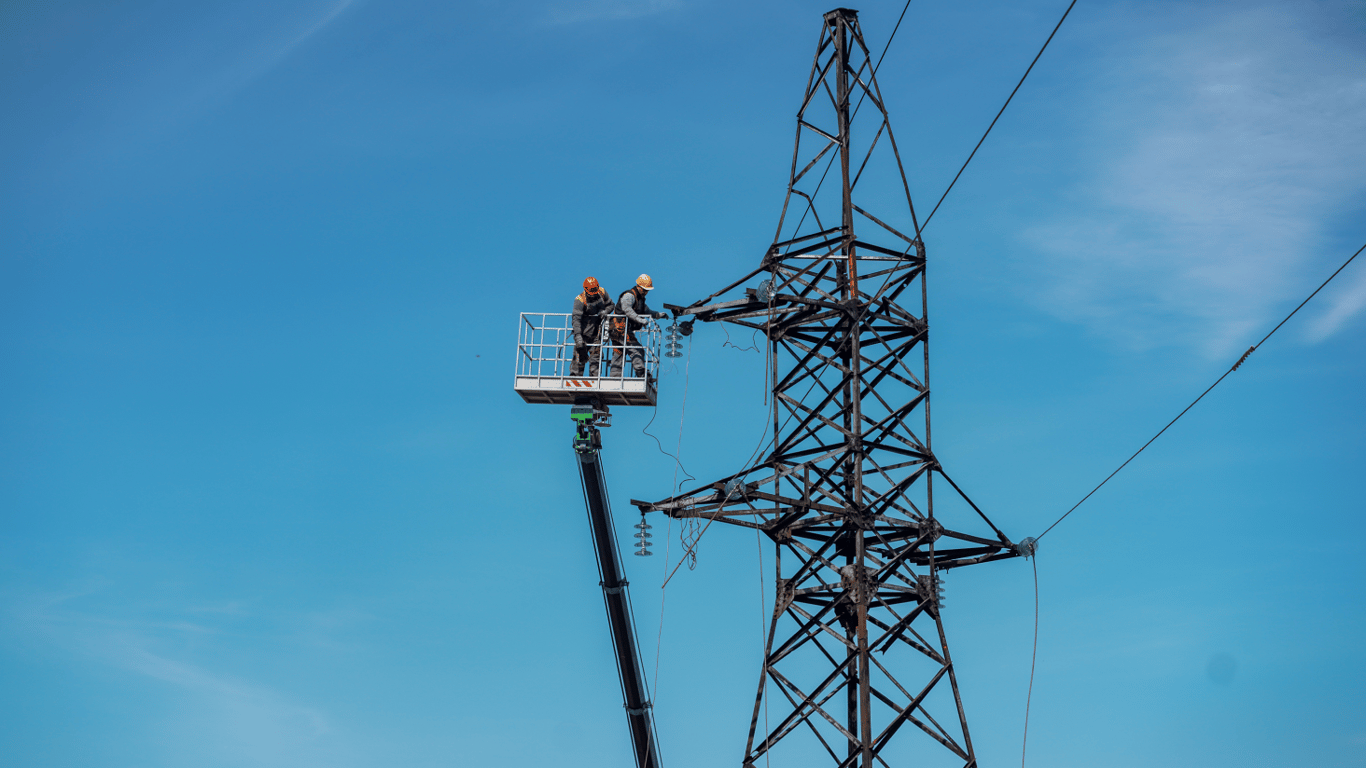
857	649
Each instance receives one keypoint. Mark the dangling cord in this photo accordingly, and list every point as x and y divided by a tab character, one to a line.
763	634
668	533
753	347
659	639
768	341
1032	657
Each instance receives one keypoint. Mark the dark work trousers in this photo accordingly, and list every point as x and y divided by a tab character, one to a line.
592	355
633	350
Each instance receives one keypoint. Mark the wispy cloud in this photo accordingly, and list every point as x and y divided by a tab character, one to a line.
255	721
224	718
251	65
578	11
1227	150
155	76
1344	305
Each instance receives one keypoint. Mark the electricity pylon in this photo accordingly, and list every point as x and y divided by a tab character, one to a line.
856	648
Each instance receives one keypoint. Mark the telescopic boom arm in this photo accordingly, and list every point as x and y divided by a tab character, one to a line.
587	445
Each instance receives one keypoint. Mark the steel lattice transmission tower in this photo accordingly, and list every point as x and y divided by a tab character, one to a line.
856	650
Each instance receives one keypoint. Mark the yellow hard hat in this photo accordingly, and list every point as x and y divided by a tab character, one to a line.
645	282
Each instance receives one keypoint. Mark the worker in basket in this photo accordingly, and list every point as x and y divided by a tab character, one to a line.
635	315
589	309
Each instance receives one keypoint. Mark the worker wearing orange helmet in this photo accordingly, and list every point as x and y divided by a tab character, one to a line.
589	309
631	304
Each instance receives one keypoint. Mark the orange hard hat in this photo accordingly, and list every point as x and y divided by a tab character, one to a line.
645	282
590	284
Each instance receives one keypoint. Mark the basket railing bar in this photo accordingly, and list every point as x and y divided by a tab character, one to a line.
545	348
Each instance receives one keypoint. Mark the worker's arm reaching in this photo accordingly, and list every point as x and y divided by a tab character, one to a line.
638	312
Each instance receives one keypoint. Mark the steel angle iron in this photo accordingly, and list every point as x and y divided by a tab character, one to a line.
857	656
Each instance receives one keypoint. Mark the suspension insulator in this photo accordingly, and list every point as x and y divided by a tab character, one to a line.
642	538
674	345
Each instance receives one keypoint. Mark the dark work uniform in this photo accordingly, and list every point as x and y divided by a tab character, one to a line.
632	305
588	312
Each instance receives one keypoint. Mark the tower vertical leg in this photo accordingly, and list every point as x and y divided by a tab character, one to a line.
846	496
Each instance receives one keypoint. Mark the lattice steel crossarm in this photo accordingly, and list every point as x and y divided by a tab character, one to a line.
846	491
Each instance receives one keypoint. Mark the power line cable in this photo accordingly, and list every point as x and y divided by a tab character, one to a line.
998	115
884	50
1245	356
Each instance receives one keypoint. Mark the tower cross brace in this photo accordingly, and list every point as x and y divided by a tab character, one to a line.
856	648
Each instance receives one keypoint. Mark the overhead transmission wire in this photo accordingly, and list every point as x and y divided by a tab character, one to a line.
998	114
1024	743
802	220
920	231
921	228
1235	367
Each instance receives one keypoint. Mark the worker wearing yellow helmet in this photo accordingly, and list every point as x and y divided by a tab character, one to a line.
637	315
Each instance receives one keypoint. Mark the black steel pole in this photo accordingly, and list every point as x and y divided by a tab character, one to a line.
618	602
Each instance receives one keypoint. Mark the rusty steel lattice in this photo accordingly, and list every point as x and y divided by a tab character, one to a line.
856	650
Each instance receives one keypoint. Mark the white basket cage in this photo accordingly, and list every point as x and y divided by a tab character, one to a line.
545	353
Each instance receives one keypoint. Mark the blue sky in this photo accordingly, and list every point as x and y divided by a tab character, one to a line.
267	497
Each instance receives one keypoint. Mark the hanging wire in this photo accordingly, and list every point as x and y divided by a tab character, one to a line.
1033	655
1235	367
754	346
763	632
743	469
692	547
668	533
659	638
678	463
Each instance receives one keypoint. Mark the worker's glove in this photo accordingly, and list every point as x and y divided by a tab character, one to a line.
661	315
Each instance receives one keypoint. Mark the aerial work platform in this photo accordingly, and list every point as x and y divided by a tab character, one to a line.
545	352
